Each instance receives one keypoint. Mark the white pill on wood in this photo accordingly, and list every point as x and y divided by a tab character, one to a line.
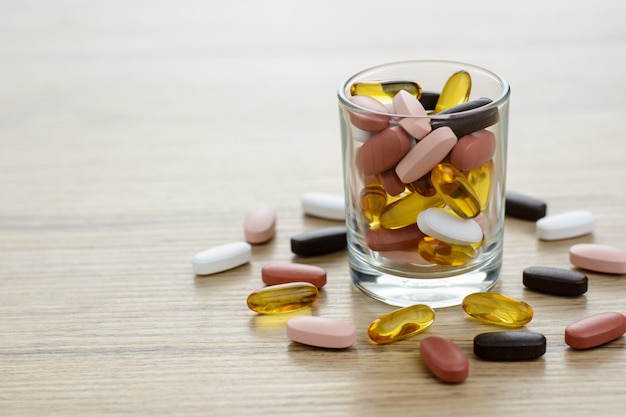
323	205
565	225
221	258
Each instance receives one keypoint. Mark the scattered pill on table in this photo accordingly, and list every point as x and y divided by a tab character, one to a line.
221	258
324	205
319	241
321	332
494	308
509	346
444	359
260	223
282	298
565	225
595	330
555	281
598	258
401	323
283	272
524	206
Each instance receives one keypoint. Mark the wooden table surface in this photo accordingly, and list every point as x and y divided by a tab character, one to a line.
134	134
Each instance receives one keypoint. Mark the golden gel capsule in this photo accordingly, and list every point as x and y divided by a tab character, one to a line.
492	308
384	91
373	200
455	190
401	324
443	253
404	212
456	91
480	181
282	298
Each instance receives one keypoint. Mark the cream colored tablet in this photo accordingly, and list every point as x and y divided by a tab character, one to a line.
260	223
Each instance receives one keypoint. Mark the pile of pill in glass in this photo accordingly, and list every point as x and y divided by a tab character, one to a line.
428	201
426	181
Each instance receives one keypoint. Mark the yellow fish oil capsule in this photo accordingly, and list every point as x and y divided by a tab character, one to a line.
456	91
480	181
404	212
443	253
385	91
493	308
373	201
401	324
282	298
455	190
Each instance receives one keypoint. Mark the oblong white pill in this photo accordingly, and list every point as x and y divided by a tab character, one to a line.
323	205
321	332
565	225
446	226
599	258
221	258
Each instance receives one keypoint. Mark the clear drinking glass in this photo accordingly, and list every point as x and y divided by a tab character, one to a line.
437	237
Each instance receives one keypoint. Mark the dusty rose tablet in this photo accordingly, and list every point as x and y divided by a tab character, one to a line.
444	359
280	273
321	332
595	330
599	258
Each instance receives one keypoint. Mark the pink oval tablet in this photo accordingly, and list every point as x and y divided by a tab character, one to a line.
370	122
382	151
599	258
406	104
595	330
260	224
321	332
426	154
473	150
444	359
281	273
381	239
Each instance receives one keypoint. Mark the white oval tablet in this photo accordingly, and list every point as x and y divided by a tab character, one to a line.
565	225
599	258
221	258
323	205
321	332
446	226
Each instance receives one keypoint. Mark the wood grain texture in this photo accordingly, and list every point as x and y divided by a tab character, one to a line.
135	134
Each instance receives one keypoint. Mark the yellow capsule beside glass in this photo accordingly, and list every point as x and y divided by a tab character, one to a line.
282	298
401	324
493	308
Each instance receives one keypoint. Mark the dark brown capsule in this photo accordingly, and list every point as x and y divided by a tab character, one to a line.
509	346
319	241
463	123
524	207
555	281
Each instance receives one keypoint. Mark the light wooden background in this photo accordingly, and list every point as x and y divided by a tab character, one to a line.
134	134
